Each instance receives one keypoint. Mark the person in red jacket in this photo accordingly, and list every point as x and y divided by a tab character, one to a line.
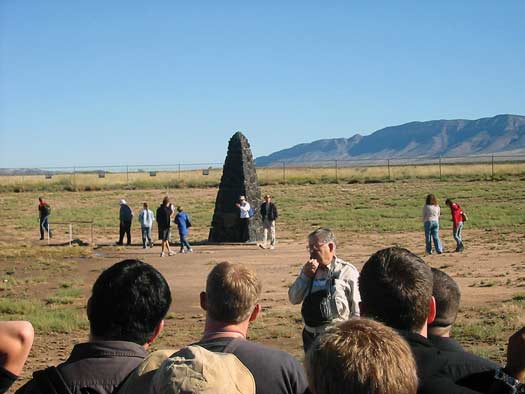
457	221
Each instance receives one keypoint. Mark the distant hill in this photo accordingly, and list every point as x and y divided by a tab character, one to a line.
499	134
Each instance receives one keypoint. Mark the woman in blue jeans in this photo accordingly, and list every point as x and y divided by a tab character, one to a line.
431	212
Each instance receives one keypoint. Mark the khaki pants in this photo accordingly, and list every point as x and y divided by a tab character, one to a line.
269	226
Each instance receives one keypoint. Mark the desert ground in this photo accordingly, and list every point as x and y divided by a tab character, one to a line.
49	284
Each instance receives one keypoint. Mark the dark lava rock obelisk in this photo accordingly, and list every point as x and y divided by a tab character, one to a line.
238	179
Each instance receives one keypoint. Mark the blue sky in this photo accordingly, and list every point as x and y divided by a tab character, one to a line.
134	82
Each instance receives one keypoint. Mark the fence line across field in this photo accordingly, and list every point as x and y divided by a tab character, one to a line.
70	230
284	168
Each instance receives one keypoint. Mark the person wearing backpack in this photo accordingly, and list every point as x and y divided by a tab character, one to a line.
458	217
44	210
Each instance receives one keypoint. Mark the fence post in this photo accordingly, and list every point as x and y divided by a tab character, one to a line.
179	171
388	165
127	174
492	167
70	233
284	172
336	177
440	173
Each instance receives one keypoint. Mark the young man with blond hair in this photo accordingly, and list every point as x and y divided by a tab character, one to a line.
231	302
360	356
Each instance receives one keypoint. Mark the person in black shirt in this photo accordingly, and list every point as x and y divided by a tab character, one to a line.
163	217
396	289
16	339
447	295
125	217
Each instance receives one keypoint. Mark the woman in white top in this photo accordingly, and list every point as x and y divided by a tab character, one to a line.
431	214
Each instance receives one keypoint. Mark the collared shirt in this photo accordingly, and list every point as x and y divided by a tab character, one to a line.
97	367
344	289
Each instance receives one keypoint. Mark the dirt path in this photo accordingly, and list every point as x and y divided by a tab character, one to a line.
489	271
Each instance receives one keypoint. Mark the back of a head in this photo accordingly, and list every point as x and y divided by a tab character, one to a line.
431	200
165	200
232	291
361	356
447	294
396	287
128	301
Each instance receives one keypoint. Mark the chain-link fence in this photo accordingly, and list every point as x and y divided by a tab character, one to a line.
314	171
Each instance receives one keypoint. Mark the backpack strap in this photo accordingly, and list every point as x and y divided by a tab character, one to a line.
233	345
51	381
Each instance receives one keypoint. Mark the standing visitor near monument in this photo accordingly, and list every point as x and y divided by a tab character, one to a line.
146	219
183	223
458	216
244	209
431	212
44	210
125	217
164	212
269	215
326	287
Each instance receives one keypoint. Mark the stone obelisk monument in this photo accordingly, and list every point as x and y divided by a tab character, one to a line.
238	179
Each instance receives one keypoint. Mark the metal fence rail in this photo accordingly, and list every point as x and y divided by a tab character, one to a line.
279	170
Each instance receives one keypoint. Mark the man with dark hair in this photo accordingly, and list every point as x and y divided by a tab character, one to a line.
126	311
447	295
231	304
396	289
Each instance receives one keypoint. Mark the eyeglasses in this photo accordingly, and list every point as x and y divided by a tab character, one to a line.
315	248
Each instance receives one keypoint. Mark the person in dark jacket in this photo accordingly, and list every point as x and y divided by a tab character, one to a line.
447	295
396	289
126	313
269	215
163	216
125	217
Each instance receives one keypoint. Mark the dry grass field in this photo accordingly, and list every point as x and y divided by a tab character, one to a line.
49	285
80	181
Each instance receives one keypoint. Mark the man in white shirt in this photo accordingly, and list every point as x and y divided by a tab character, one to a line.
244	208
146	219
326	286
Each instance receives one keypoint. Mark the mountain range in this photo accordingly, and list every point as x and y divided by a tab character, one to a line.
502	134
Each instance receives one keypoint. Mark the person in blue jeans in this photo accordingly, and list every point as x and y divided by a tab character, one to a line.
431	212
183	223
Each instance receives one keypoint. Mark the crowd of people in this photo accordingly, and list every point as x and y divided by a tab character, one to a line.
385	329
